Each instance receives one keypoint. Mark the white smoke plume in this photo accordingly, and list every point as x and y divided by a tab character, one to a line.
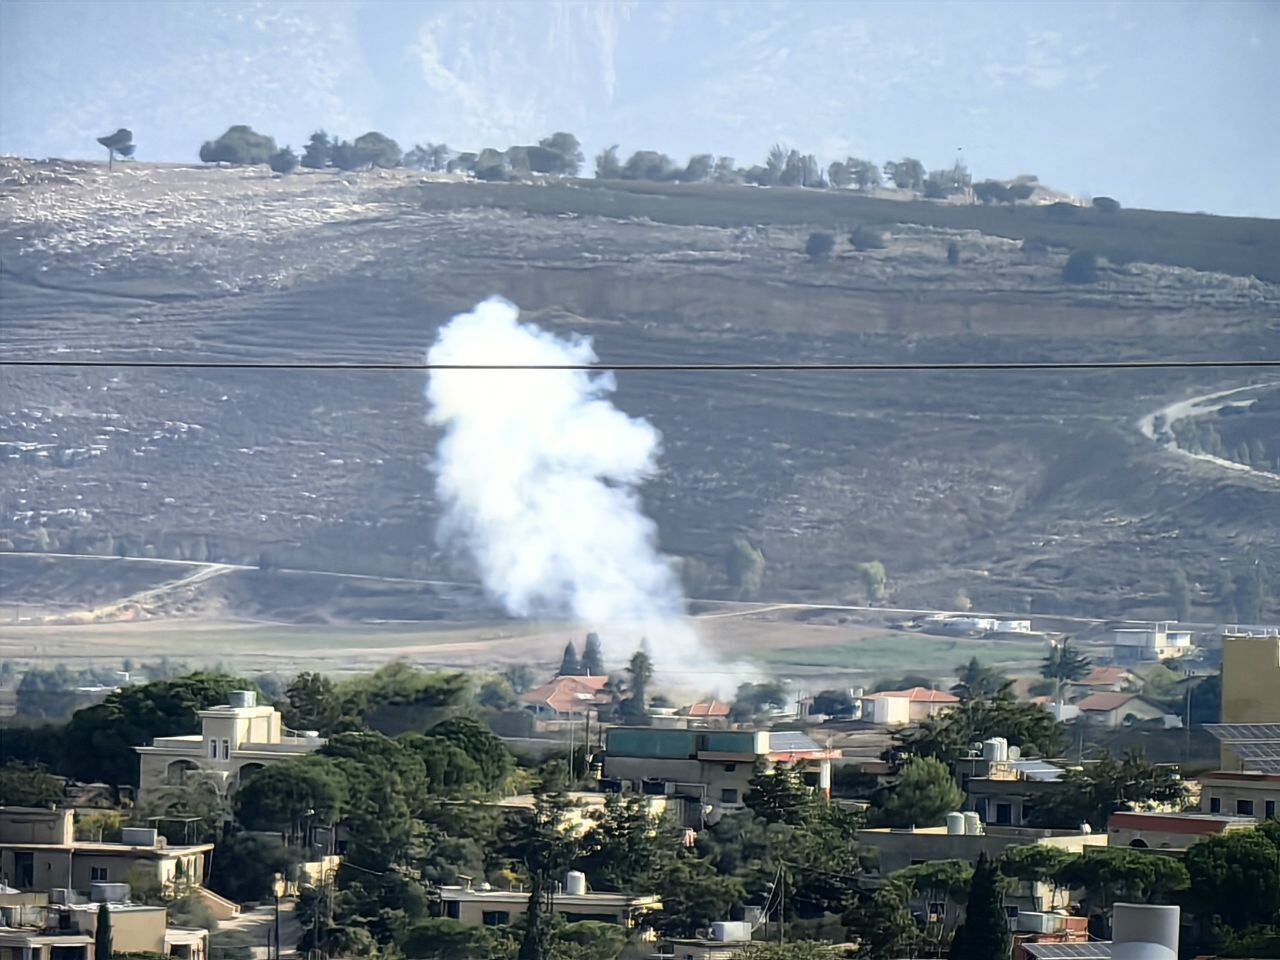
538	472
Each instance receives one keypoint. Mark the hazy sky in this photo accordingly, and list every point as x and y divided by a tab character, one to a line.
1165	105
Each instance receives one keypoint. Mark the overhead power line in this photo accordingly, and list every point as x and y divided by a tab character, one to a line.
695	367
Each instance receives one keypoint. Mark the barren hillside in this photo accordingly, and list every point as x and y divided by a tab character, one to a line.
1016	488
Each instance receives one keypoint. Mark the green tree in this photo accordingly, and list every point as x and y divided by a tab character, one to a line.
314	704
284	797
694	895
1064	664
1106	204
520	677
244	865
535	839
1036	863
947	737
592	662
725	171
839	175
975	680
779	795
449	768
872	576
120	142
635	708
441	938
568	152
283	160
754	699
27	785
744	566
102	934
819	246
938	881
318	152
570	665
239	145
608	167
920	795
623	845
906	174
493	760
100	740
647	165
1109	875
863	238
374	149
1092	795
883	922
1233	877
984	935
1081	267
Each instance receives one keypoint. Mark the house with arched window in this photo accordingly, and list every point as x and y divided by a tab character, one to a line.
235	741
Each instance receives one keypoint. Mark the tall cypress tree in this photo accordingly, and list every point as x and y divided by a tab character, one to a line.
592	657
570	666
984	935
102	934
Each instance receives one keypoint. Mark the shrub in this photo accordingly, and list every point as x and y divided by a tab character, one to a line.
1106	204
282	161
240	145
866	238
819	246
1081	267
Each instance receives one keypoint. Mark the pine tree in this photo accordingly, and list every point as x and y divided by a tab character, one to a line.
570	666
102	934
592	664
984	935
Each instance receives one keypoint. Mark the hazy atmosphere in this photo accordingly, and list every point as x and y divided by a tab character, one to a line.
1122	99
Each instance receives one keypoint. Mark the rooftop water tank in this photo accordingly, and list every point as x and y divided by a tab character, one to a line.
575	883
243	698
955	824
731	931
973	824
1142	931
138	836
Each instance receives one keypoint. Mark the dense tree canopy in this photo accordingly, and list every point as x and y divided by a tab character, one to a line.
921	795
239	145
1091	795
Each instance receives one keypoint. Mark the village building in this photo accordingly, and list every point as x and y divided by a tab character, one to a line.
483	905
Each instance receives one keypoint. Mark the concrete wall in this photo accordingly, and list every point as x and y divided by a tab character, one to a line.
1230	790
1250	681
133	930
36	825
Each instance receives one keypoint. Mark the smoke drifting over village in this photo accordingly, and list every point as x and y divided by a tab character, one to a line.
537	474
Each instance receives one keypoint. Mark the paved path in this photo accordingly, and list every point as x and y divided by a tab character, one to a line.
259	925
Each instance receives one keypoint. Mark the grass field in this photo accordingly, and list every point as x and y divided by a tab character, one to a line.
896	654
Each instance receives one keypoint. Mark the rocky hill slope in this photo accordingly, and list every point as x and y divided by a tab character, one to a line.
1025	489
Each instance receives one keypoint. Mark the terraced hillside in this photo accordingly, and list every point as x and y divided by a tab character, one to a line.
1014	488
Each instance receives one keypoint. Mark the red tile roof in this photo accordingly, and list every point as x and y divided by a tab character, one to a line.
1175	822
568	694
1105	702
708	709
1104	677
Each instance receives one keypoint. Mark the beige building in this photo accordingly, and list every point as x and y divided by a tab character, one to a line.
895	708
1157	641
485	906
1250	685
1240	794
65	931
38	851
1169	831
710	770
1114	710
235	741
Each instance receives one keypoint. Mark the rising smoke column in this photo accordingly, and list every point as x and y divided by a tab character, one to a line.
538	471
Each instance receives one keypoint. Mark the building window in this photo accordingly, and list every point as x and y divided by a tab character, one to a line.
1004	813
728	796
453	909
213	749
226	749
1270	808
1215	805
730	767
496	918
97	874
1244	808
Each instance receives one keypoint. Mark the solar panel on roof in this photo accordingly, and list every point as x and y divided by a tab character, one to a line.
1098	950
1244	732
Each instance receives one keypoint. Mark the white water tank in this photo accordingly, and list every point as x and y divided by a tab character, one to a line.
731	931
575	883
973	824
243	698
955	824
1143	931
